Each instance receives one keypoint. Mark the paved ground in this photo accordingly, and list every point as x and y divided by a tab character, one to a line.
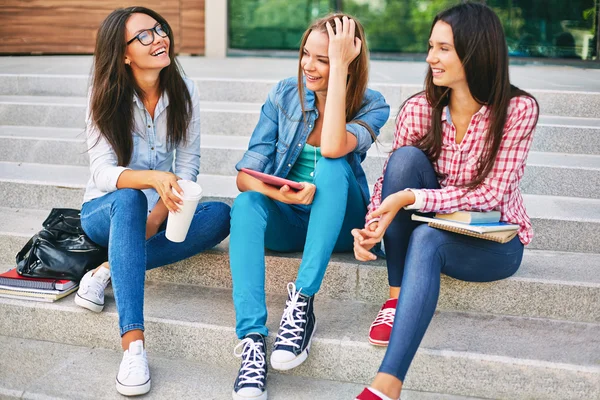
401	72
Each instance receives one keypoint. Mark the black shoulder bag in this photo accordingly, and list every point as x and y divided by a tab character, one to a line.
61	250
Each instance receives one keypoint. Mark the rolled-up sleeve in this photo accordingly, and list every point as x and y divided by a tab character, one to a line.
187	155
260	155
374	114
103	160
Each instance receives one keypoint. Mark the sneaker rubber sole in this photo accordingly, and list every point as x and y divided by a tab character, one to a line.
90	305
380	343
298	360
136	390
262	396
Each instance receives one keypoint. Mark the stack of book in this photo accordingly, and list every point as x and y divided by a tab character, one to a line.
15	286
483	225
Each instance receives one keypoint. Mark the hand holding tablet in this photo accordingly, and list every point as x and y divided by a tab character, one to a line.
273	180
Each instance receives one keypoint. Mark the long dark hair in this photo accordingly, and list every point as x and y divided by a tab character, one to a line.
113	87
481	47
358	70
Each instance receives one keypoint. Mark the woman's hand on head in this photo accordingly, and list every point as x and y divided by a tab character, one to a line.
344	47
164	183
304	196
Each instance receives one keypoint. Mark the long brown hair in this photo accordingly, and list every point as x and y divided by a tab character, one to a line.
358	70
114	86
481	47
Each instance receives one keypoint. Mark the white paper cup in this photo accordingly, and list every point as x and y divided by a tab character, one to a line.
179	223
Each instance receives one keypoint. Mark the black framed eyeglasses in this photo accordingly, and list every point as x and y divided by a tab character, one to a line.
146	37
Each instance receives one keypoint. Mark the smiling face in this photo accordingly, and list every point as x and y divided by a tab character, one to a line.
144	58
315	61
446	67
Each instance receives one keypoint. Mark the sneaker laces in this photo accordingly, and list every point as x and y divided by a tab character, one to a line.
96	285
253	362
289	331
385	317
136	364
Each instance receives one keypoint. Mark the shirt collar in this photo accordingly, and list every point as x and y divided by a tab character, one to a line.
309	97
484	111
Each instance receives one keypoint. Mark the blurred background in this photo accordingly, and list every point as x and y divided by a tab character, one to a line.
534	28
564	31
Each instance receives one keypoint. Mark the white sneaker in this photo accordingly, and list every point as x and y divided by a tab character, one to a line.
91	289
133	378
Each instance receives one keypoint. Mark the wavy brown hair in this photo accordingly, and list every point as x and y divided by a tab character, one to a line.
358	70
481	47
114	86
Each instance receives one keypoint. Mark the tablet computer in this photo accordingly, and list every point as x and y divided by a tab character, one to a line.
273	180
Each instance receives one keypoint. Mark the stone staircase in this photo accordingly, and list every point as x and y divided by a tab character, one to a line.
535	335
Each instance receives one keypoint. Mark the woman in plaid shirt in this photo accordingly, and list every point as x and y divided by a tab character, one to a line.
461	144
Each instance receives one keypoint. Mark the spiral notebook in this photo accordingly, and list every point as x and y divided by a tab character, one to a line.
501	232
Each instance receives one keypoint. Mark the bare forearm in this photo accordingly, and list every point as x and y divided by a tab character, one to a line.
334	136
246	183
135	179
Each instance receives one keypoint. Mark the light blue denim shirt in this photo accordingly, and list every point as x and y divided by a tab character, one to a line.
150	150
281	131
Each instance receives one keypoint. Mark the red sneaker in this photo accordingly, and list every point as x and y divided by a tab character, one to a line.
367	395
381	328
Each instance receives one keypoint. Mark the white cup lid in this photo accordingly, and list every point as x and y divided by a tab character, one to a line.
191	190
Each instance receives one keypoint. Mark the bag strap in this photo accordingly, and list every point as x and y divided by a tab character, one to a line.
21	256
24	250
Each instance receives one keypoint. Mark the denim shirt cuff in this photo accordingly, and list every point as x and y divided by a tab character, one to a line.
254	161
363	137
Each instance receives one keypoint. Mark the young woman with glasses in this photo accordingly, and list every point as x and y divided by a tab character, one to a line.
462	144
142	112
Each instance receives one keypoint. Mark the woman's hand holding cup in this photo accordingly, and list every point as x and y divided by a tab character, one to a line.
165	183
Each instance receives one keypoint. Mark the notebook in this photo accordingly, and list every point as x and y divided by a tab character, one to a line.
471	217
501	232
36	295
12	279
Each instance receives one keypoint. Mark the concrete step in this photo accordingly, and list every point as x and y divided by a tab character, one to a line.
255	68
556	134
560	223
479	355
557	174
549	284
578	103
31	373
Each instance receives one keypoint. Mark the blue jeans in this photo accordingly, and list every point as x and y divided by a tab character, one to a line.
417	255
117	221
319	229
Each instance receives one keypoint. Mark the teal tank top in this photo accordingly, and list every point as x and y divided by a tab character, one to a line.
303	169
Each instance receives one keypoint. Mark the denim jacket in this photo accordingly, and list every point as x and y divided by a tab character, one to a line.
281	131
150	149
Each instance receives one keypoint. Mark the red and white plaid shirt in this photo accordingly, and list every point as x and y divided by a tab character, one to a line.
458	162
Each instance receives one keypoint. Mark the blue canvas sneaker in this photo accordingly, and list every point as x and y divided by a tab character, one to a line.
251	382
296	330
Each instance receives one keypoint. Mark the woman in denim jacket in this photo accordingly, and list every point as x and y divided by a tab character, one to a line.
314	129
142	112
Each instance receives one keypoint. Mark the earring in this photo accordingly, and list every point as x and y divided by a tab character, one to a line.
127	62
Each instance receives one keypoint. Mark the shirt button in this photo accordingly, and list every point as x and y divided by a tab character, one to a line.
299	144
151	148
149	126
310	126
289	165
